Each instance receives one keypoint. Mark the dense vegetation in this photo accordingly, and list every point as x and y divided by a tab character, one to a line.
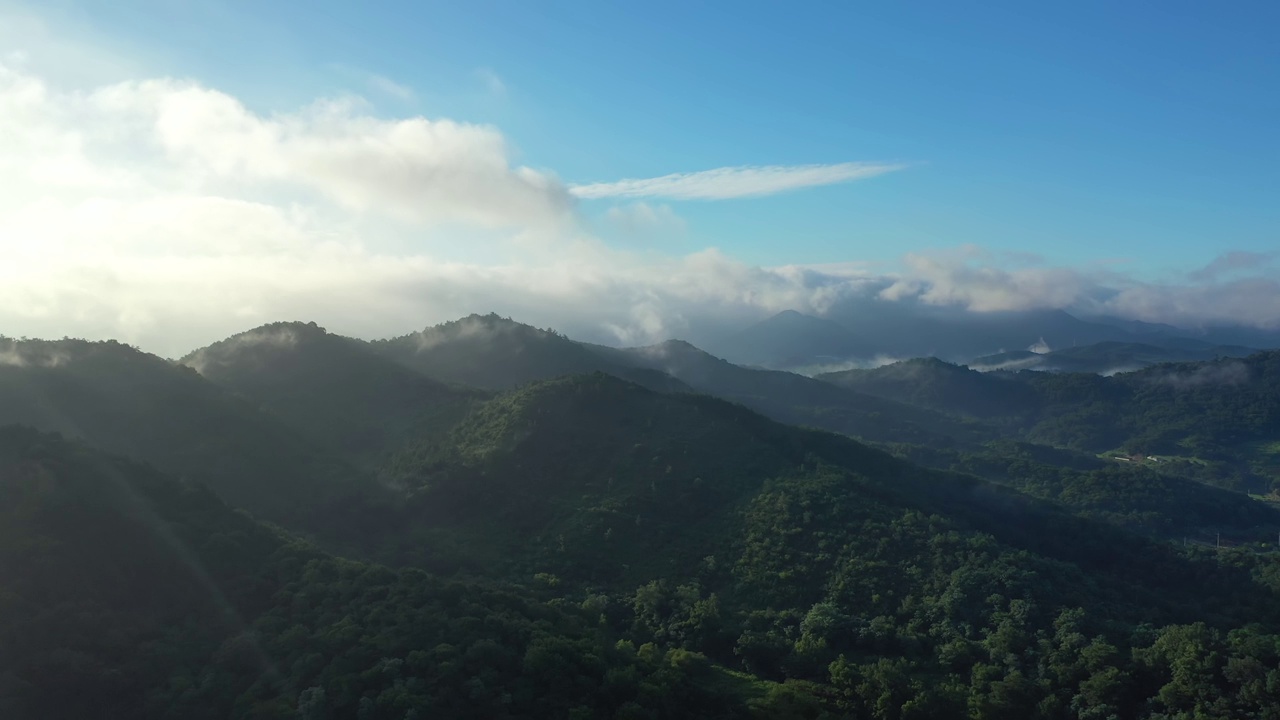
589	547
1132	495
1212	421
126	594
800	556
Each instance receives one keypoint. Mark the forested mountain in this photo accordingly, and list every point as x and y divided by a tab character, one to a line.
942	386
797	554
333	389
1108	358
494	352
128	402
1217	420
585	546
488	351
125	594
799	400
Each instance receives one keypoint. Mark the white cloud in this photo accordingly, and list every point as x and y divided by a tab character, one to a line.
162	136
973	278
984	281
167	214
734	182
643	218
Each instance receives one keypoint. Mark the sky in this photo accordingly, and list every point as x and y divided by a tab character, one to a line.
173	171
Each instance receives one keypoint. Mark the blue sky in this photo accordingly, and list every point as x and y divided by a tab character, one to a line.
1133	138
1080	131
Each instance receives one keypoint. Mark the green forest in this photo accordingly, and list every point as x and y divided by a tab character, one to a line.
487	520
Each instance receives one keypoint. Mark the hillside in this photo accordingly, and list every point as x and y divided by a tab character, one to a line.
494	352
941	386
803	555
1130	495
128	595
1215	420
334	390
799	400
674	554
131	403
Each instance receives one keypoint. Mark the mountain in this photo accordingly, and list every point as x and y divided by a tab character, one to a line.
499	353
862	333
1159	333
805	556
132	403
558	468
333	389
799	400
1110	357
487	351
941	386
619	552
791	339
128	594
1214	420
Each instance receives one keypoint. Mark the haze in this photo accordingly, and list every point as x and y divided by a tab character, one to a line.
174	173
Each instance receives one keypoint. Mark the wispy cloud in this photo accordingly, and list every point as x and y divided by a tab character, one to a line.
735	182
380	84
492	82
643	218
1230	262
387	86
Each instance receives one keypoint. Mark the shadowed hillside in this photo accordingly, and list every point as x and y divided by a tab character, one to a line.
333	389
127	595
128	402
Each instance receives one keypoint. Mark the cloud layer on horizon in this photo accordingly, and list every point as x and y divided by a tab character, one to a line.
168	214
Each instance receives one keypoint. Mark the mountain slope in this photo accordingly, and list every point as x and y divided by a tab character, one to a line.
799	400
126	595
805	555
556	466
942	386
135	404
1215	420
487	351
333	389
494	352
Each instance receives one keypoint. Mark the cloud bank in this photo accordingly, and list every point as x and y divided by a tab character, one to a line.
168	214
